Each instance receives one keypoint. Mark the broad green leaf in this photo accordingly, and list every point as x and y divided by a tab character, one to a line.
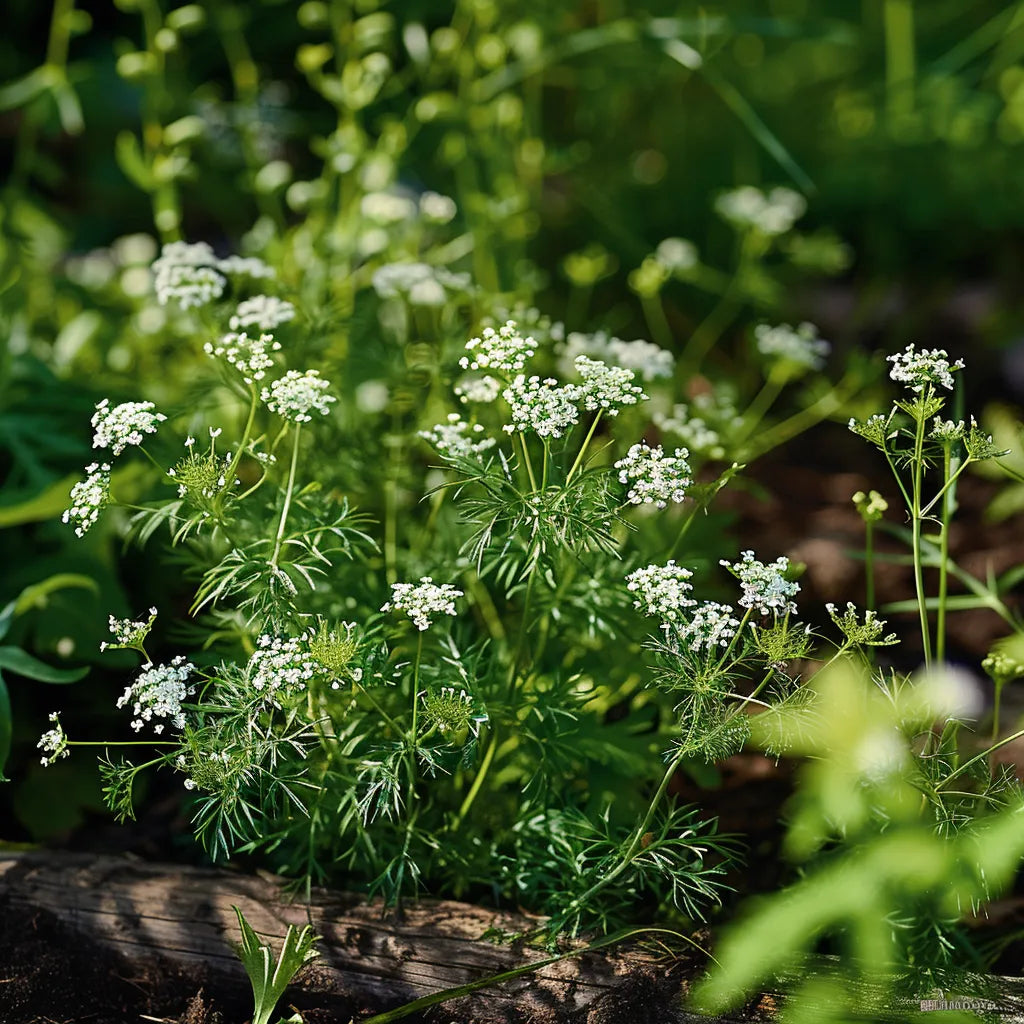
34	596
17	660
46	505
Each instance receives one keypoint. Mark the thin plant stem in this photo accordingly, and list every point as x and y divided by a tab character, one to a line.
527	462
947	512
229	474
279	540
485	764
583	449
869	564
654	314
916	521
683	530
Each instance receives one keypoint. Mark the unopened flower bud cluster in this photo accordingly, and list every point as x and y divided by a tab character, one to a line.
422	601
652	477
122	425
158	693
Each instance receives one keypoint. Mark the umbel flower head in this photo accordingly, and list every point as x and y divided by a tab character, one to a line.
457	439
249	356
771	213
918	370
661	590
503	349
295	394
129	634
708	626
158	693
88	498
280	667
421	601
765	587
541	406
606	387
122	425
799	347
53	743
186	274
264	312
652	477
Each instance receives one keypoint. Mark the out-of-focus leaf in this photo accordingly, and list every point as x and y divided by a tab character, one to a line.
17	660
45	505
25	89
5	727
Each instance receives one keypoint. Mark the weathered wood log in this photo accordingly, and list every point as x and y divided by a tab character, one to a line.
163	919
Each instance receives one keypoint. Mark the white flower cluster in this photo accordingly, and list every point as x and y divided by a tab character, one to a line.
422	600
677	254
660	590
121	425
419	283
606	387
799	346
249	356
706	425
158	693
455	438
245	266
541	406
386	207
652	477
128	633
478	389
436	208
765	587
53	743
192	275
280	666
647	360
771	213
186	274
502	349
262	311
89	497
295	394
919	369
710	625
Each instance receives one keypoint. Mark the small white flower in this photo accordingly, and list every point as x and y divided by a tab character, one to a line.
186	274
765	587
503	349
677	254
436	208
606	387
53	743
455	438
159	692
947	431
264	312
652	477
800	346
420	601
245	266
661	590
295	394
280	666
647	360
122	425
772	213
541	406
89	497
919	369
249	356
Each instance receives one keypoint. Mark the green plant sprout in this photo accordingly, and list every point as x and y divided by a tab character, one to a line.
268	978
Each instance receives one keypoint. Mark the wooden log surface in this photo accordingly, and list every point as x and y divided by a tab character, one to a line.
179	919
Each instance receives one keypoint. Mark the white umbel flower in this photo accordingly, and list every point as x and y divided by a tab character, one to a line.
799	346
605	387
652	477
541	406
456	438
503	349
264	312
129	633
249	356
186	274
53	743
772	213
295	394
421	601
478	389
709	625
765	587
158	693
89	497
919	369
122	425
661	590
280	667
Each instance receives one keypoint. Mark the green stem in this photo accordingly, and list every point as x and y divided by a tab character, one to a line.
527	462
980	757
947	511
900	57
287	497
485	764
654	314
869	564
586	443
229	474
762	402
916	521
683	530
